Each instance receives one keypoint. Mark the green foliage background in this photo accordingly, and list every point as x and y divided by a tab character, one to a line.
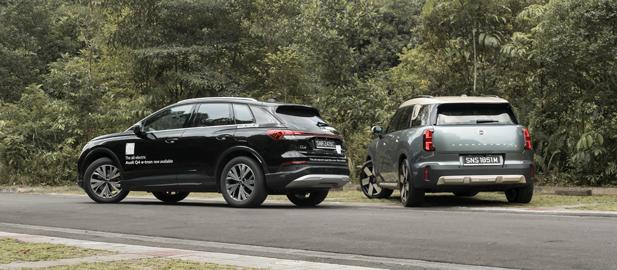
72	70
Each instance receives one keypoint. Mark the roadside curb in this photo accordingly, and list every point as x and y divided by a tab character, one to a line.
130	252
307	259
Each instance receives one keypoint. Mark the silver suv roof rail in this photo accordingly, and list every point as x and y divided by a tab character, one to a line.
217	98
424	96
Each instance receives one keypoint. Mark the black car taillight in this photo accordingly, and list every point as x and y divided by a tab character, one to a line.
278	134
428	141
527	136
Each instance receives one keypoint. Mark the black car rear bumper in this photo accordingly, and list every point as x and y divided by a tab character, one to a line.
307	178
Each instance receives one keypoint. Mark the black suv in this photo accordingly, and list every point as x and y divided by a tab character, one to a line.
240	147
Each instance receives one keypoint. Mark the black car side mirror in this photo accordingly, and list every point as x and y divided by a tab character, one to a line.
141	133
377	130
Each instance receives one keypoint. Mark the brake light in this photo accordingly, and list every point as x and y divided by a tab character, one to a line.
428	140
277	134
527	136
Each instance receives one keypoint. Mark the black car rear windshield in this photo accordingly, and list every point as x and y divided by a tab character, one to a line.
475	114
301	118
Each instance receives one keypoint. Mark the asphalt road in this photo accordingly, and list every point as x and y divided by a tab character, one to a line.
510	240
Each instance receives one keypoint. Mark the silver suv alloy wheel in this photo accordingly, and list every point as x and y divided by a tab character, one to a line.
405	188
368	181
240	182
105	181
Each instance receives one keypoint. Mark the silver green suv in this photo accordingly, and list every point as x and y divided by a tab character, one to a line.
460	144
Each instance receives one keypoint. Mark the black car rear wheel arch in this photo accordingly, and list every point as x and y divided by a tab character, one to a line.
234	153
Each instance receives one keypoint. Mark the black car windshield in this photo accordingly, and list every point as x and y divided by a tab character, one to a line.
475	114
302	118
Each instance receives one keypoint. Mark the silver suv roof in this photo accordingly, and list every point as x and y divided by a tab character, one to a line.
452	99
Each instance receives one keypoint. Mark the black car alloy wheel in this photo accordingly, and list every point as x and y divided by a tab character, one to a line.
102	181
242	183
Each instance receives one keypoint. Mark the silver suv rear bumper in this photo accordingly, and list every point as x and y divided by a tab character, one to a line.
313	181
463	180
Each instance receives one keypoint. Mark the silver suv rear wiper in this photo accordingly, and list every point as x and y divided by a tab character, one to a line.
486	121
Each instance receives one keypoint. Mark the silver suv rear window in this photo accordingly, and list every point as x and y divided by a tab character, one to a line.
475	114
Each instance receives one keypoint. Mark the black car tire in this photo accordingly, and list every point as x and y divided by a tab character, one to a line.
258	194
307	199
170	196
87	183
465	193
520	195
410	196
370	188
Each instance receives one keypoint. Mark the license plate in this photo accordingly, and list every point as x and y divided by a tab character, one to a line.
478	160
325	144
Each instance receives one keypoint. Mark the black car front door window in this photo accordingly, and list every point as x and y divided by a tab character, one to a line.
171	118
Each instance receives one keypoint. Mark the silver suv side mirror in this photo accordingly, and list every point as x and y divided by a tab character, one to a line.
377	130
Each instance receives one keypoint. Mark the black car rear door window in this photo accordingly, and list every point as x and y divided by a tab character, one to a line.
170	118
262	116
213	114
242	114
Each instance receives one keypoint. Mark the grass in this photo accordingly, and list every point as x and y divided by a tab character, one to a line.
149	264
485	199
12	250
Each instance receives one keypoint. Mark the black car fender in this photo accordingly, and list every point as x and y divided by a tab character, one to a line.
96	153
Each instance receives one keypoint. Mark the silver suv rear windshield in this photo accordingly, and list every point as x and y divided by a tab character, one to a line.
475	114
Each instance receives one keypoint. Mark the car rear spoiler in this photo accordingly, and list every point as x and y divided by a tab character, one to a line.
299	110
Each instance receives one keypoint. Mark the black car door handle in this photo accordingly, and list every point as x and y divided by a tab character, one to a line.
223	137
171	140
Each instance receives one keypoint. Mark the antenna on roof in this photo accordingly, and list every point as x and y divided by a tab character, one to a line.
464	95
272	100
